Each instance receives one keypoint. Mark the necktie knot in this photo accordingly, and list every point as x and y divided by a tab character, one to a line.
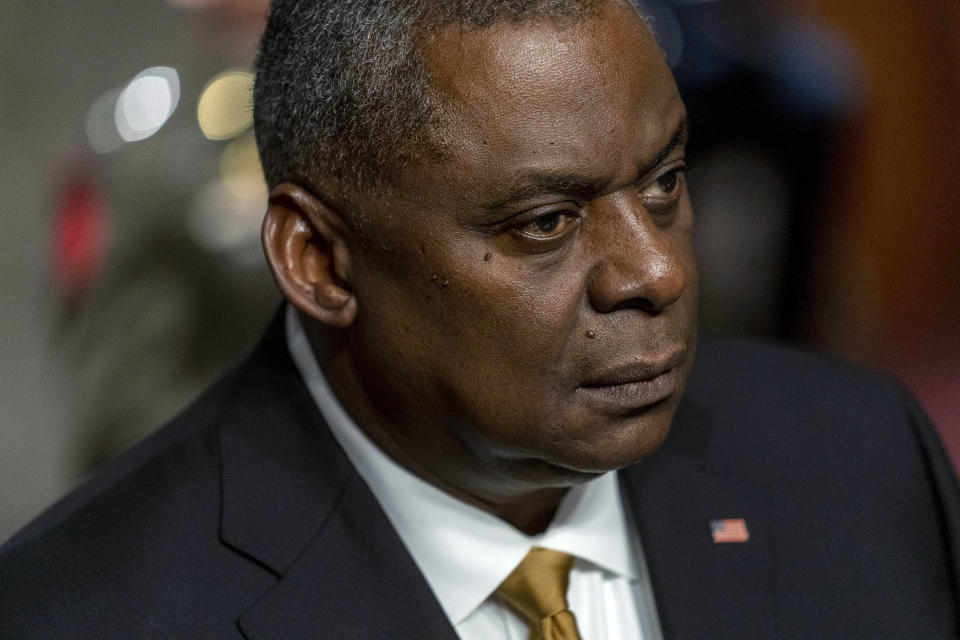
537	589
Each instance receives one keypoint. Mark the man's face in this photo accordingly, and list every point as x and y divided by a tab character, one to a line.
533	295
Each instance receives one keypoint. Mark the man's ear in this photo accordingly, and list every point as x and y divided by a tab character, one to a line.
304	241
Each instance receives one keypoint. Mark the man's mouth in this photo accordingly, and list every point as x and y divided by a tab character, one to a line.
635	385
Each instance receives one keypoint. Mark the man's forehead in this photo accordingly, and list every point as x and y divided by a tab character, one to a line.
533	58
555	98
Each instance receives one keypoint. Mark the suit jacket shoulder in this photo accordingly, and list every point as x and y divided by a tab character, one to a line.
241	518
851	504
802	411
135	549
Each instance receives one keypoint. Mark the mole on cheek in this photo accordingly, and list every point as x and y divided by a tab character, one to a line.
487	256
591	335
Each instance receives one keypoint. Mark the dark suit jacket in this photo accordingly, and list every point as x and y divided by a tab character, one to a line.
243	518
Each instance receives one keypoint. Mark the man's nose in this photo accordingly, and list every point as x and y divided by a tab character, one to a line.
638	258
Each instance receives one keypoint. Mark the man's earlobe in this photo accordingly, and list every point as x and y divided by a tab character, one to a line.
305	245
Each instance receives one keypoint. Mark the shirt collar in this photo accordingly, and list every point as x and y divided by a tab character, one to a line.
464	552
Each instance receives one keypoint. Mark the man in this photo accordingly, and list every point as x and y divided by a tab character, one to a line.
479	218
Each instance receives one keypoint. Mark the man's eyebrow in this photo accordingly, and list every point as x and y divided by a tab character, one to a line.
578	185
535	184
679	138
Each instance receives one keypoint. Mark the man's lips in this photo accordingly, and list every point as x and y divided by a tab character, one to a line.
637	371
636	384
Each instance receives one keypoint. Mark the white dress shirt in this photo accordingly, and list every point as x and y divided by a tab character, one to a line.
465	553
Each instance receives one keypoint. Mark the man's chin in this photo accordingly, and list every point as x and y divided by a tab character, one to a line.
570	468
640	438
614	442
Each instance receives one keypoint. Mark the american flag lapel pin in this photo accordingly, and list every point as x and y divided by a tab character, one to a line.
729	530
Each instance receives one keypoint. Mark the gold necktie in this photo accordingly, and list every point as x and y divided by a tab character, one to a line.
537	589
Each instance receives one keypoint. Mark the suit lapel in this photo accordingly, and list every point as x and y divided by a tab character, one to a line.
294	503
355	580
702	589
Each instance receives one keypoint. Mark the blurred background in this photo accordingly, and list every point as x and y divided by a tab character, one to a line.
826	183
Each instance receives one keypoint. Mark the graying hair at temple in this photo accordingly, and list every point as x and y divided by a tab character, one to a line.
342	92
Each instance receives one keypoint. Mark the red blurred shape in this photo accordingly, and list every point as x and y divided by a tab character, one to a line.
81	231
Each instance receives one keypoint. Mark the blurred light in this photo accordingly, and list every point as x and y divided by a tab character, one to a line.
225	110
226	215
240	169
81	230
820	71
146	103
102	123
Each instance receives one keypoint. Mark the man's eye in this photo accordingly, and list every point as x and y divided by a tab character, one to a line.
668	183
549	226
666	188
548	223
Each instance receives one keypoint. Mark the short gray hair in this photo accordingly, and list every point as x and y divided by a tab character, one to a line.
341	89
